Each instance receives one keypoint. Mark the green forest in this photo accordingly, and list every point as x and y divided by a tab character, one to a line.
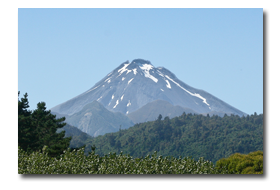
188	144
189	135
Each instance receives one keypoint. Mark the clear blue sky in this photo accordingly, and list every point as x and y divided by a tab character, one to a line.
64	52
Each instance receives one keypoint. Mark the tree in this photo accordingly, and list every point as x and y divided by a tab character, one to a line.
118	145
46	130
26	132
111	139
159	117
39	128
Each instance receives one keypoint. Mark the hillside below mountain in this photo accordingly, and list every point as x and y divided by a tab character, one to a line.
151	111
96	120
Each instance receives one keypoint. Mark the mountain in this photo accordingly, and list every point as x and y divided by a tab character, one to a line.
134	84
96	120
151	111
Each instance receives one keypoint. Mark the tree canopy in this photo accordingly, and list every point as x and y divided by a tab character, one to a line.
188	135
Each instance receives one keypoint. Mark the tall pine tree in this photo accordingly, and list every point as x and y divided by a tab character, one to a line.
27	138
46	127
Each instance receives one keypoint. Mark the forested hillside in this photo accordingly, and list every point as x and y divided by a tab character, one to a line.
188	135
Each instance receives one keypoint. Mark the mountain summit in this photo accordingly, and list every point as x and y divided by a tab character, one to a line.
134	84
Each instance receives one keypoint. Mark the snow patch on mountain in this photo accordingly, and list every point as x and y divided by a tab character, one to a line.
146	68
117	102
134	71
123	69
160	73
128	104
107	79
130	80
197	95
168	84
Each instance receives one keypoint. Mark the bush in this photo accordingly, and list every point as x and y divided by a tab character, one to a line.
76	162
251	163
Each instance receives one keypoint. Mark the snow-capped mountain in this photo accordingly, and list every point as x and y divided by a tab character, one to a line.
134	84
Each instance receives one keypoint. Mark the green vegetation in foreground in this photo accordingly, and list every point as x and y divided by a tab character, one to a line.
76	162
242	164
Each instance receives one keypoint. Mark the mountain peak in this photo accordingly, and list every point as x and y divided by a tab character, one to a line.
141	61
134	64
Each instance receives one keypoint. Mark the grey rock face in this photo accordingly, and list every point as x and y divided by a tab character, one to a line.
135	84
151	111
96	120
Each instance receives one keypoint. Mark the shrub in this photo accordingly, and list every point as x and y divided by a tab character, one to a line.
251	163
76	162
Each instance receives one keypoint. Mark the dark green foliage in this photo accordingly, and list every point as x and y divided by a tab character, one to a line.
38	129
26	132
188	135
241	163
112	140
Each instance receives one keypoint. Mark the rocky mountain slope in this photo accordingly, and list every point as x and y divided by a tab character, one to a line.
151	111
96	120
